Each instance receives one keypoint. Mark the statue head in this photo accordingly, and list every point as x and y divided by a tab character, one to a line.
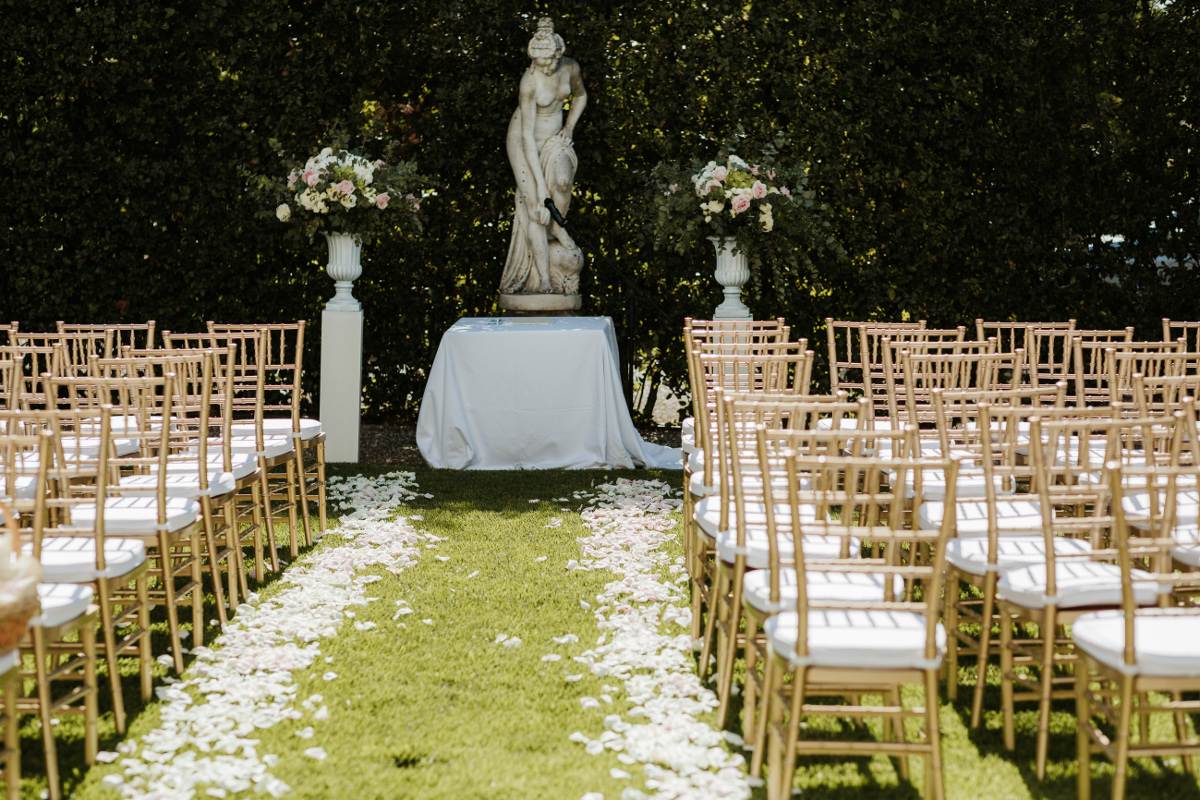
546	47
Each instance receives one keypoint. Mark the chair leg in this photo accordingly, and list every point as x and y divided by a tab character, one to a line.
91	710
710	624
103	591
1006	686
169	599
904	768
751	685
302	486
935	787
1083	739
1048	629
12	740
197	590
727	645
764	712
257	513
214	559
293	516
787	769
145	655
269	518
321	484
43	695
953	592
1121	758
985	647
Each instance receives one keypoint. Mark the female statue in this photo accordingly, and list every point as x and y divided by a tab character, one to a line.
542	257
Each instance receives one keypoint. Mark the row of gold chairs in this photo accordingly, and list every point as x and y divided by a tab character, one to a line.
130	471
856	545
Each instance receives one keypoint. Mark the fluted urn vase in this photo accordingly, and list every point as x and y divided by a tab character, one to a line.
345	266
732	273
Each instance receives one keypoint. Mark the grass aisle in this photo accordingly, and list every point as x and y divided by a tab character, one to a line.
438	709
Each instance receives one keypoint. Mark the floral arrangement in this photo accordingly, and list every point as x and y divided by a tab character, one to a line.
344	191
761	202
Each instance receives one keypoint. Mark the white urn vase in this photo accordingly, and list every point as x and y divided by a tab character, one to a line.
732	273
345	265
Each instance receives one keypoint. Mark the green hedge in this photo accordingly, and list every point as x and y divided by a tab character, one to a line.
973	153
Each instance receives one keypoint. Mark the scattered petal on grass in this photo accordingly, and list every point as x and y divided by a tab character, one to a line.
568	638
166	660
427	621
113	781
535	500
402	611
107	756
555	522
584	604
443	558
539	558
321	713
594	748
573	678
513	642
473	574
589	702
364	626
305	733
551	657
316	752
619	774
329	676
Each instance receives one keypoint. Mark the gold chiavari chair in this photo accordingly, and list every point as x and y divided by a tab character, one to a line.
770	583
51	462
915	370
745	373
30	364
846	358
1134	654
857	649
61	643
1010	336
879	349
195	465
1163	394
278	457
997	527
1050	356
138	336
7	331
733	519
1074	500
1174	330
284	365
10	753
1123	365
1093	365
169	526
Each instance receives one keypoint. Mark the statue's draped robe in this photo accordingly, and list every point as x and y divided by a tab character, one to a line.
520	274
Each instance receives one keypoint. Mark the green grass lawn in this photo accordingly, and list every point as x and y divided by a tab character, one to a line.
440	710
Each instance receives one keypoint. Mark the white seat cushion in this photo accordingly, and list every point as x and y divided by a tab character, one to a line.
244	464
1079	583
61	602
838	587
1166	641
277	426
273	446
708	514
24	486
180	483
971	555
876	639
850	423
1187	505
137	516
687	443
89	446
72	559
9	660
972	483
698	488
1014	517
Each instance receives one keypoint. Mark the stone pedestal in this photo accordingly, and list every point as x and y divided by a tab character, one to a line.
341	381
540	303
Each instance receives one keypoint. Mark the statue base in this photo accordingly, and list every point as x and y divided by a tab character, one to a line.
540	303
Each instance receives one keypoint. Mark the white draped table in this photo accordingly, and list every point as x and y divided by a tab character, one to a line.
531	393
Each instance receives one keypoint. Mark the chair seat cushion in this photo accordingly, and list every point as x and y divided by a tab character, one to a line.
244	464
1014	517
273	446
72	559
849	638
971	555
137	516
836	587
972	483
708	515
180	483
89	446
1137	506
9	660
687	443
280	426
1079	583
24	487
61	602
1166	641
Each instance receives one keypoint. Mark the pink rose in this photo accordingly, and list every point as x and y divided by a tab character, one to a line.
786	192
346	187
378	163
713	184
770	174
310	177
740	204
720	173
292	178
759	190
416	204
381	201
671	189
754	171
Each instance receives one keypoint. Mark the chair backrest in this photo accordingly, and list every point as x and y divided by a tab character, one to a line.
865	511
30	364
1049	350
282	361
844	339
1010	336
139	336
1163	394
7	331
909	394
1174	330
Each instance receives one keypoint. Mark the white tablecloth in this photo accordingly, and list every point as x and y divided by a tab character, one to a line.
531	393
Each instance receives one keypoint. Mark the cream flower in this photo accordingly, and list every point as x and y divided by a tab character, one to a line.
283	212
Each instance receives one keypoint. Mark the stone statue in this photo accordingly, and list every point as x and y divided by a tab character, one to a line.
542	258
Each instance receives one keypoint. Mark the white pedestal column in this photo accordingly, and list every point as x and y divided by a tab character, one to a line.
341	379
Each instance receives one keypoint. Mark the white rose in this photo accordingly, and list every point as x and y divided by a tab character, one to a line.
349	201
283	212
